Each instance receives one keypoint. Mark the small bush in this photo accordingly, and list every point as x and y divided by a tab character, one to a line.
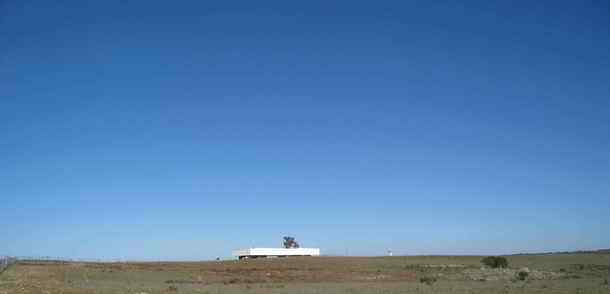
427	280
172	289
231	281
495	261
522	275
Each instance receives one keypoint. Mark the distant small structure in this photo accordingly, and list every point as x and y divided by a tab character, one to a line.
5	262
291	248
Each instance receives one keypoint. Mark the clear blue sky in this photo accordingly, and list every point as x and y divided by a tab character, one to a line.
134	129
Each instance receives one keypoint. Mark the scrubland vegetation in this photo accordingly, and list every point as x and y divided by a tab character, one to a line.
560	273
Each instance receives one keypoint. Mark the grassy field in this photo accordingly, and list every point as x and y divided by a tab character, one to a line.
561	273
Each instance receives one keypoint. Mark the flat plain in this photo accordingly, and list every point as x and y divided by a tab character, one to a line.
548	273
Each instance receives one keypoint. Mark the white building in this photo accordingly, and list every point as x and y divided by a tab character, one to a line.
275	252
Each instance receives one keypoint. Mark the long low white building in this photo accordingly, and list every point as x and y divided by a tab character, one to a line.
275	252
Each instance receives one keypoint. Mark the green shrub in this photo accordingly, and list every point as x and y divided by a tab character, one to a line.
522	275
495	261
427	280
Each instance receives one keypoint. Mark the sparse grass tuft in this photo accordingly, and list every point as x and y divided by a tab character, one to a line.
273	286
172	289
428	280
579	267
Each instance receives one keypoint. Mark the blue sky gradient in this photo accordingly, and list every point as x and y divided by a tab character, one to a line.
158	130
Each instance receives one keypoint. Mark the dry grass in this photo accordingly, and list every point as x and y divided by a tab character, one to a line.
575	273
